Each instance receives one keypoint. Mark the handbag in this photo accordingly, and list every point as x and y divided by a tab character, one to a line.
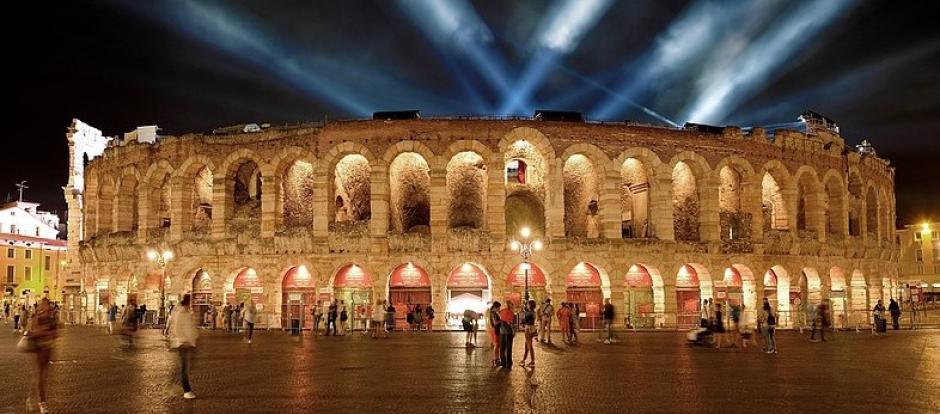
27	344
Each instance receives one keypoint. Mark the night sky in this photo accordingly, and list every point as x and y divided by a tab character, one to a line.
872	66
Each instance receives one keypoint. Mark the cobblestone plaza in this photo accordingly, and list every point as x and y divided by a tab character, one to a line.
644	372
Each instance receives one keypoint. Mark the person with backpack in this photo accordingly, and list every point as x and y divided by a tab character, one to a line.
820	322
112	317
545	321
880	323
506	333
390	318
528	324
418	317
769	325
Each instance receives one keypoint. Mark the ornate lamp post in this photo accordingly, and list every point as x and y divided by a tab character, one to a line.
161	259
525	247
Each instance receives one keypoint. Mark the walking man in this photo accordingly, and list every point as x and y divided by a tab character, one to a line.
183	335
112	317
251	315
894	308
317	316
545	321
609	321
331	319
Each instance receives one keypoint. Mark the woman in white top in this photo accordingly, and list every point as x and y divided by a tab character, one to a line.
378	320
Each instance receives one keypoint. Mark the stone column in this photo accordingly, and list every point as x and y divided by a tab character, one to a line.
322	188
222	206
661	220
496	204
438	195
709	224
378	225
270	185
179	220
753	204
670	301
145	221
815	215
790	201
554	201
610	205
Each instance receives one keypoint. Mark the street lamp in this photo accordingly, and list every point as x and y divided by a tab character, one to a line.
161	259
525	247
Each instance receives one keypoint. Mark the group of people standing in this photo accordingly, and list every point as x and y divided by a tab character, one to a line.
378	319
18	312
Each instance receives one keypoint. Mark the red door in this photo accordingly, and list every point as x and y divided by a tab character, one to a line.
589	302
689	313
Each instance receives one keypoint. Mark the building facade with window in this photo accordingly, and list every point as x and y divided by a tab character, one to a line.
919	262
32	258
422	211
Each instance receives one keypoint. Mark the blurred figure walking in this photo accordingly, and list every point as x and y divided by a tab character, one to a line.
41	330
183	335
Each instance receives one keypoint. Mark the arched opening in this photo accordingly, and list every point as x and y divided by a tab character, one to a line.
247	288
408	285
734	221
516	282
133	291
352	284
834	208
583	292
468	288
858	306
525	189
125	218
688	297
856	205
643	297
781	295
773	206
245	181
201	207
805	295
804	189
352	191
838	298
298	297
736	291
297	194
634	200
871	215
685	203
410	186
202	295
581	197
466	191
160	201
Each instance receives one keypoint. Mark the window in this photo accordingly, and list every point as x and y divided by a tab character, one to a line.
11	253
28	274
919	255
10	272
29	254
48	264
37	231
13	229
933	235
917	236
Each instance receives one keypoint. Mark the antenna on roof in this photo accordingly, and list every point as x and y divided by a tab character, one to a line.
21	186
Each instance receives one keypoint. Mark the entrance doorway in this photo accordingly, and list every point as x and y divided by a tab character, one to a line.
688	298
202	295
468	288
583	292
298	295
638	298
516	281
408	285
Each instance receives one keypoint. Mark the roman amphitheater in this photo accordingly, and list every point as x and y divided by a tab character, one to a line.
423	211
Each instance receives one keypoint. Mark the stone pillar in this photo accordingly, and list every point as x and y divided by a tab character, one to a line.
554	201
709	224
179	220
841	215
145	221
269	189
670	301
790	201
222	206
322	189
610	205
752	203
438	200
661	208
815	215
378	225
496	204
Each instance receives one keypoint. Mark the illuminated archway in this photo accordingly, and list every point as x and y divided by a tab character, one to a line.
408	285
688	297
202	293
644	299
247	287
298	296
583	290
468	288
516	282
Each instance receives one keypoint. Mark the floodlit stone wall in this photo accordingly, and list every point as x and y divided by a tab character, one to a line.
436	193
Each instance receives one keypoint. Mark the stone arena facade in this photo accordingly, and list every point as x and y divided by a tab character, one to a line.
423	211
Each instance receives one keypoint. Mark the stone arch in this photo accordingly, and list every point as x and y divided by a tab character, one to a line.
401	147
646	305
748	287
468	145
244	174
543	263
526	173
295	170
809	285
736	184
157	194
775	183
350	189
598	263
687	197
126	200
582	186
872	215
106	193
194	181
781	294
532	135
858	294
808	200
466	183
835	204
638	168
409	193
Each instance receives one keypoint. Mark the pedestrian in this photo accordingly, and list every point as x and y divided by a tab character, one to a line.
343	317
894	308
719	325
469	326
41	330
317	312
239	316
429	314
608	314
564	322
389	318
820	322
575	322
19	316
331	318
769	324
506	334
545	321
183	335
494	322
735	325
142	314
251	316
800	313
378	320
528	323
129	323
112	317
227	317
878	313
705	315
418	317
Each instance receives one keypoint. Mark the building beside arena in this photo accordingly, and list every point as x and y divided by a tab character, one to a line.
32	257
422	211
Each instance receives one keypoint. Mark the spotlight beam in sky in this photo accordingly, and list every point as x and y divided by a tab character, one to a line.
454	26
559	33
722	88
